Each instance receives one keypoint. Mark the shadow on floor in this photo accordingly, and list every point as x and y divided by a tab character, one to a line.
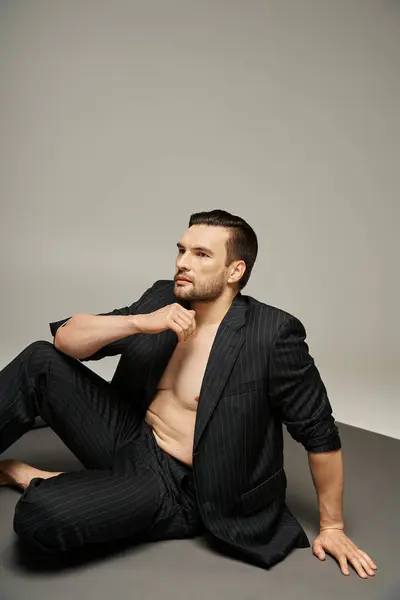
25	558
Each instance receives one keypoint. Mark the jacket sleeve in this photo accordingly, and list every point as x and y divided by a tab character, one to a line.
140	306
297	392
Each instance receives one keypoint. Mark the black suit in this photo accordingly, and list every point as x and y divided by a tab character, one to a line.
259	374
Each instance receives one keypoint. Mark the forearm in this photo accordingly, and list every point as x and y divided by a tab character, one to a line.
85	334
328	478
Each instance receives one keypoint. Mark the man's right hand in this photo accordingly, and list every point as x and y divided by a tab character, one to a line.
172	316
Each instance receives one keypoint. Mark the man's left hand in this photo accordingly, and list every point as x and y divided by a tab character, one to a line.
336	543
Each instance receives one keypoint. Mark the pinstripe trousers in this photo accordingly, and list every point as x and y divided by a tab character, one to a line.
128	488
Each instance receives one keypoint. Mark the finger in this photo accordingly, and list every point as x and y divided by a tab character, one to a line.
354	560
318	550
183	325
182	314
343	564
190	325
361	553
368	559
363	558
190	321
185	316
177	328
188	328
366	565
184	311
192	328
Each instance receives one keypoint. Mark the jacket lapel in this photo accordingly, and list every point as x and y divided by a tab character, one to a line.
225	349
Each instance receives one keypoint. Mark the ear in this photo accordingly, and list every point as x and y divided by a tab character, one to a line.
236	271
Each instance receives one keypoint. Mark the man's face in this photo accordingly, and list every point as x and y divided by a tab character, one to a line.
202	259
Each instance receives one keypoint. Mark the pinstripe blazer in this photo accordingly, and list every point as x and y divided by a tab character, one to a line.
258	376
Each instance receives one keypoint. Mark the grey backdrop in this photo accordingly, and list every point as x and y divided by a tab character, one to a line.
119	119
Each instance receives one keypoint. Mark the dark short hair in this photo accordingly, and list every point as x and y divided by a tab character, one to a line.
242	243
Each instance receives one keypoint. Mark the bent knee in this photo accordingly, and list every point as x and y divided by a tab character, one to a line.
40	346
43	351
39	350
39	353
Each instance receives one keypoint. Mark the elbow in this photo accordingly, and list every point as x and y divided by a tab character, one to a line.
57	342
61	337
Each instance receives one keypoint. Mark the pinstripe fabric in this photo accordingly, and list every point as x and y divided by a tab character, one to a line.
259	376
129	488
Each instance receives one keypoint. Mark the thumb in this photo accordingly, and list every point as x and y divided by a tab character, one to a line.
319	551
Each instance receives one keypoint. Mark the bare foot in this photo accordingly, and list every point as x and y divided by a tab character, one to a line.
16	473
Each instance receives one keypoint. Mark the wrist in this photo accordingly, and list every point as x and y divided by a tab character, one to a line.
135	322
339	526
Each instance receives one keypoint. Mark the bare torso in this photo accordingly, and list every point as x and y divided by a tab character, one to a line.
172	412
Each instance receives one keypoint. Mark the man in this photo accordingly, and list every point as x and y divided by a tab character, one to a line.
187	438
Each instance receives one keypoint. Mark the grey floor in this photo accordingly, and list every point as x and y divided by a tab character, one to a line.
191	569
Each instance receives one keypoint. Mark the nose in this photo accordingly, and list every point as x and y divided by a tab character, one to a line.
183	262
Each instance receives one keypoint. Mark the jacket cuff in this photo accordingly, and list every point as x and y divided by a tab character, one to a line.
56	324
325	444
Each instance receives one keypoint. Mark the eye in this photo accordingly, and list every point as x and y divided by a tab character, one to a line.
180	250
202	254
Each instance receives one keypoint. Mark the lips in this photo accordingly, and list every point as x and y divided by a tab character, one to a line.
183	279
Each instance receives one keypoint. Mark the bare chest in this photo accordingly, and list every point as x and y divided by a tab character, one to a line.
186	367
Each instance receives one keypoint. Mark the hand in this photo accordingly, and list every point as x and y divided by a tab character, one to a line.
172	316
336	543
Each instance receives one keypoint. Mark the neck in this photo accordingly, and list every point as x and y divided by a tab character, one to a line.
213	312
